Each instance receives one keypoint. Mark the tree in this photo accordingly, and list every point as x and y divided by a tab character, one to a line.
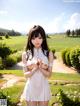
68	32
73	32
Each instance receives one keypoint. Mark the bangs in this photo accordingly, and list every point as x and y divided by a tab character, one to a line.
35	34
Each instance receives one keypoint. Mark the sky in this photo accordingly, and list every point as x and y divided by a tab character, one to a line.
53	15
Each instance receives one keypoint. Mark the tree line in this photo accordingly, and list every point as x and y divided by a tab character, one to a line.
10	33
73	33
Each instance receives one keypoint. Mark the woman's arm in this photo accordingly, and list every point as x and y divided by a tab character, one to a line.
27	73
48	72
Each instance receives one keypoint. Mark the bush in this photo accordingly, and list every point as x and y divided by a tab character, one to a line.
4	51
6	36
10	61
67	58
1	64
1	38
74	58
9	102
66	101
63	55
13	59
17	56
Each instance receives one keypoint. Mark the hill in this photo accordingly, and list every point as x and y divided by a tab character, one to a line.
4	30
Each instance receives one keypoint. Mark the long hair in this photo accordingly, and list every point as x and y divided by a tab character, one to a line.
33	33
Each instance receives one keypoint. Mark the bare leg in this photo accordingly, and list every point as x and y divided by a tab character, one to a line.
31	103
43	103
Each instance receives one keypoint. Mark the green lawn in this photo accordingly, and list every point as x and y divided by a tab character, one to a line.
58	42
17	42
15	72
72	89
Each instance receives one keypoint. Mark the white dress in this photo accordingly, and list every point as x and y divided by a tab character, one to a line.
37	87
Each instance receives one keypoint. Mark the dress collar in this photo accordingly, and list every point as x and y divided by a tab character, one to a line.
37	50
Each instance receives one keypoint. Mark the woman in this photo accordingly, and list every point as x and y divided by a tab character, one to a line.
38	61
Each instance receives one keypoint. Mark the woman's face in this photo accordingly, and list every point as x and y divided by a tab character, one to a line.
37	41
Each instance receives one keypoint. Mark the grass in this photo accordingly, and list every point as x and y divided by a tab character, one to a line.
15	42
15	91
64	76
60	42
57	42
15	72
55	76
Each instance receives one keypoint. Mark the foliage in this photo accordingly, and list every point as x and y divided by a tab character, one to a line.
4	51
3	96
1	64
67	58
63	55
13	59
67	101
68	32
75	58
6	36
71	57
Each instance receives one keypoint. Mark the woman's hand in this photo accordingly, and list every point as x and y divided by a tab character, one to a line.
42	65
32	67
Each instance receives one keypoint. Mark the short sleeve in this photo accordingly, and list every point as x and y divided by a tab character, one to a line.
24	56
50	59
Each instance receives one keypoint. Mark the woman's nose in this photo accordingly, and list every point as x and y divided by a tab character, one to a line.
37	39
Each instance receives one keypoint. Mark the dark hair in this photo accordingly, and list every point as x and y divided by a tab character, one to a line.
34	32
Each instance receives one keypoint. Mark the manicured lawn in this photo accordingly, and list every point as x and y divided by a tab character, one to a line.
71	88
67	77
15	72
57	42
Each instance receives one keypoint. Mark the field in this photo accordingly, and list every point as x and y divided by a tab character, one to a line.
57	42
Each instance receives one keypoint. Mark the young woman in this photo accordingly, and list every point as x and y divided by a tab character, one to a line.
38	61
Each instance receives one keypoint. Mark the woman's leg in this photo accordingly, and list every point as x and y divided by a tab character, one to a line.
43	103
31	103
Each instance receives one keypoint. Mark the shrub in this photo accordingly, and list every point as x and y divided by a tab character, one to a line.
13	59
4	51
74	58
67	101
1	38
1	64
17	56
67	58
9	102
63	55
6	36
10	61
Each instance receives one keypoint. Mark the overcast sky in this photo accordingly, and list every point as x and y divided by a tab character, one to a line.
52	15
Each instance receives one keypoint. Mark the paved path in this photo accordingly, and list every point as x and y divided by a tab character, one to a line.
10	80
58	66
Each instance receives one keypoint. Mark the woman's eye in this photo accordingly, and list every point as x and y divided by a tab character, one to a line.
33	38
40	37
